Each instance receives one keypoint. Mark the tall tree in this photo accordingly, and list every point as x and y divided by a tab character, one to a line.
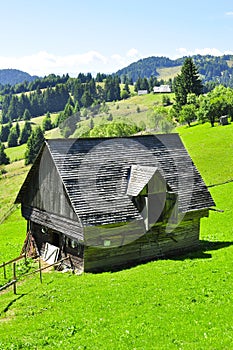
13	110
86	99
25	133
3	157
26	115
47	123
188	81
5	131
17	128
12	138
34	144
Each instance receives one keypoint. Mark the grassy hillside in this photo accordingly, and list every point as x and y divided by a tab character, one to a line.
168	73
211	150
182	303
10	184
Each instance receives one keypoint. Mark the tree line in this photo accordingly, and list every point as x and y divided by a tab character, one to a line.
38	83
190	104
85	90
22	107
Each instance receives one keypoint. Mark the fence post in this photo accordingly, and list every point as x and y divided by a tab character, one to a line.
14	277
4	270
40	270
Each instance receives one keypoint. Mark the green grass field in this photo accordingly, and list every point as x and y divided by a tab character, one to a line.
183	303
10	184
168	73
16	153
211	149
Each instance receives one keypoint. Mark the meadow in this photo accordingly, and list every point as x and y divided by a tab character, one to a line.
181	303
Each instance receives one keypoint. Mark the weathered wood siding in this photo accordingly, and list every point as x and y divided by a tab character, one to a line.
117	235
70	228
46	190
154	244
46	202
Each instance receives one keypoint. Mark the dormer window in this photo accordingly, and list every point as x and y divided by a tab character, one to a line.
151	195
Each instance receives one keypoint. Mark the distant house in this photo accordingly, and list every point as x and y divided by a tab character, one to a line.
162	89
113	202
142	92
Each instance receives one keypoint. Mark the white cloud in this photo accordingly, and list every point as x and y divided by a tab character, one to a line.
133	53
204	51
43	63
230	13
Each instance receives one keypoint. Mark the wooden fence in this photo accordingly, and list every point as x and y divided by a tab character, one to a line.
8	213
15	279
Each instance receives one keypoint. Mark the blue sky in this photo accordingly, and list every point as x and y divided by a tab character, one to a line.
72	36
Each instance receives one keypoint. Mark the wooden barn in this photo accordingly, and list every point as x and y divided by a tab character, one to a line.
114	202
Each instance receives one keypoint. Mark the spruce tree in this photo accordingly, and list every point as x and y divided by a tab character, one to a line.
188	81
26	115
5	131
3	157
25	133
47	123
34	144
17	128
12	138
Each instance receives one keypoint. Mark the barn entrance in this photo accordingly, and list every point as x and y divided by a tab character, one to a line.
55	239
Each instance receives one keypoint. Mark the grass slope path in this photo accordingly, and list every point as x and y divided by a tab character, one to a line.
184	303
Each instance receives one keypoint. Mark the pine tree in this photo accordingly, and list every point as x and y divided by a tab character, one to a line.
3	157
17	128
13	110
47	123
86	99
34	144
125	93
12	138
26	115
188	81
25	133
5	131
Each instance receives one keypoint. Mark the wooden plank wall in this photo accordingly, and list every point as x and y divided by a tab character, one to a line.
46	191
153	245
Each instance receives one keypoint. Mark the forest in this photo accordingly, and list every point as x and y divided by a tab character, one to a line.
85	97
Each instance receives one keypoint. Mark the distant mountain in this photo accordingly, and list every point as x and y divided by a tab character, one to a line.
218	69
147	67
14	76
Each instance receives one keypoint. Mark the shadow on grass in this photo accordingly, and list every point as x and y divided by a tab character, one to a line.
201	251
11	303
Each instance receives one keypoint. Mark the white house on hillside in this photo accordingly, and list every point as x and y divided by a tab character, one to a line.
162	88
142	92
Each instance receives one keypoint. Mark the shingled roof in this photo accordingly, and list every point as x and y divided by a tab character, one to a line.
96	174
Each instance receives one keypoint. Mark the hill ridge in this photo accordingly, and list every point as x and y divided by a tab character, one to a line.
13	76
